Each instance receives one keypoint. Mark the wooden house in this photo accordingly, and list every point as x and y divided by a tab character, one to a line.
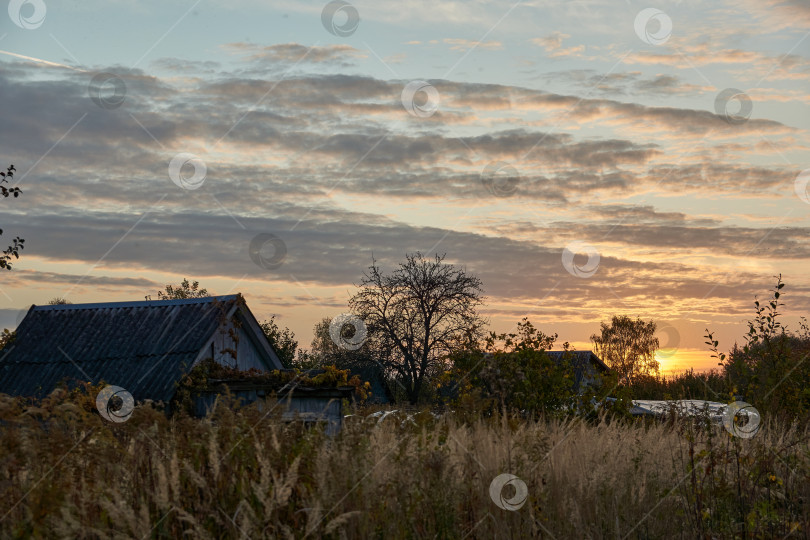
147	348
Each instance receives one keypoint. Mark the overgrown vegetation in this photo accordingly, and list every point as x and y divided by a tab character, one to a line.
592	470
771	369
209	375
66	472
513	374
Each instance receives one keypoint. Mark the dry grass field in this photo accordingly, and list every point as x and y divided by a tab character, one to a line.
67	473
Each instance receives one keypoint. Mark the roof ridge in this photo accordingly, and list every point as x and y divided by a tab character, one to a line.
137	303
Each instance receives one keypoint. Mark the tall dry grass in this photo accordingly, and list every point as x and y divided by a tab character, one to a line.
65	472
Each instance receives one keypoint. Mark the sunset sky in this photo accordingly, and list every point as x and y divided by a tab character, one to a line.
660	144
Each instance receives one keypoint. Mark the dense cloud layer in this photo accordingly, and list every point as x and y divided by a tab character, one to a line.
285	152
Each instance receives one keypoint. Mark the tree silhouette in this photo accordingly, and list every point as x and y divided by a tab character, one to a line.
281	340
184	290
416	314
14	249
628	347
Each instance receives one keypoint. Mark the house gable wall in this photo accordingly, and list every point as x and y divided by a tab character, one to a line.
223	347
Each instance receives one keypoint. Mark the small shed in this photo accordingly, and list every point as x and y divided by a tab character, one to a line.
301	403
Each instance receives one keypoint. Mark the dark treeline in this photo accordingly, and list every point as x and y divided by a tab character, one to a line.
416	335
423	343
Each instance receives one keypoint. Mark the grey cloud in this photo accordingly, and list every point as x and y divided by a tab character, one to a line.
181	66
313	132
335	247
622	84
290	122
647	214
728	177
283	54
27	275
664	233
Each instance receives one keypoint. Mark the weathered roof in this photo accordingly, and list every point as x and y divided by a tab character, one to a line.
585	363
580	358
144	347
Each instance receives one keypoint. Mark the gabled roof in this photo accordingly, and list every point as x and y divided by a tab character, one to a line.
144	347
585	363
580	358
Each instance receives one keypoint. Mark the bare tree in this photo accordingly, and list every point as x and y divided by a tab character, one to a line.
628	347
415	315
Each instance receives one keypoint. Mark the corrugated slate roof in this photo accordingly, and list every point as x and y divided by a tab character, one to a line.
579	358
144	347
585	363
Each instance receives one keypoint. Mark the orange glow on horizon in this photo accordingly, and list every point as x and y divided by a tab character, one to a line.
680	360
